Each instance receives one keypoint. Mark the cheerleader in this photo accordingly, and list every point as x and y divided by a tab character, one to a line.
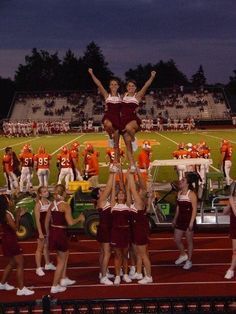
120	232
57	218
184	221
231	209
11	249
40	210
103	207
130	122
111	118
140	229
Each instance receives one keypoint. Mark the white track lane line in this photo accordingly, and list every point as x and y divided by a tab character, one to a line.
150	251
151	239
112	267
136	284
170	140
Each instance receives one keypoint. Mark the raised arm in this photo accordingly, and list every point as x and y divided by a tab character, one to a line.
98	83
107	191
113	192
136	197
143	90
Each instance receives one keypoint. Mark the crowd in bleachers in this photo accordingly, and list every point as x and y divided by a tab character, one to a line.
177	103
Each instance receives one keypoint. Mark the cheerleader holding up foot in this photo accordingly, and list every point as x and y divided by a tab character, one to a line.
130	122
111	118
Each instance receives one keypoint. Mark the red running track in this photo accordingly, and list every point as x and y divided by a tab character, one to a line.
211	259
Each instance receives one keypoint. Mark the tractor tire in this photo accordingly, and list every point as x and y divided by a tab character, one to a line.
26	227
90	226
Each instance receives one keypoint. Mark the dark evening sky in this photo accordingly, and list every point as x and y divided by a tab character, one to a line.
129	32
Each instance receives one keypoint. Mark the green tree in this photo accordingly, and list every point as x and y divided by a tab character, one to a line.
94	58
231	86
41	71
7	90
70	71
168	75
199	79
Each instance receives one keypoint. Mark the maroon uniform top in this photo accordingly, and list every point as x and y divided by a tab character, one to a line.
43	212
105	224
58	232
185	211
112	113
120	232
58	218
139	226
128	111
10	246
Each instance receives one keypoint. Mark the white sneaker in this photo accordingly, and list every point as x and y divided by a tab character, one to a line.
117	281
24	291
109	275
113	168
229	274
106	281
136	276
57	289
111	142
132	168
132	271
6	286
40	272
145	280
50	266
134	145
126	278
67	282
181	259
188	264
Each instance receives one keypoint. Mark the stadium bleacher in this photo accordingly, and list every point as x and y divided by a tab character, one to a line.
72	106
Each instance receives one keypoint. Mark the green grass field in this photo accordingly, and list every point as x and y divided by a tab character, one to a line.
163	144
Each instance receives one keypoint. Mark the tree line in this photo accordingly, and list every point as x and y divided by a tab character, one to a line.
43	71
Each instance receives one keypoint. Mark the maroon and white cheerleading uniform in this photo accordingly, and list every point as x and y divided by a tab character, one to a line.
58	229
232	225
139	226
185	212
112	113
128	111
43	212
120	232
10	246
105	224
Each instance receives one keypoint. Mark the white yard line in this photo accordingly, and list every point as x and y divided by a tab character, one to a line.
216	137
170	140
27	141
53	153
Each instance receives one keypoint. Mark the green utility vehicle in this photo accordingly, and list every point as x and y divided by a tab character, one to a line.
81	202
